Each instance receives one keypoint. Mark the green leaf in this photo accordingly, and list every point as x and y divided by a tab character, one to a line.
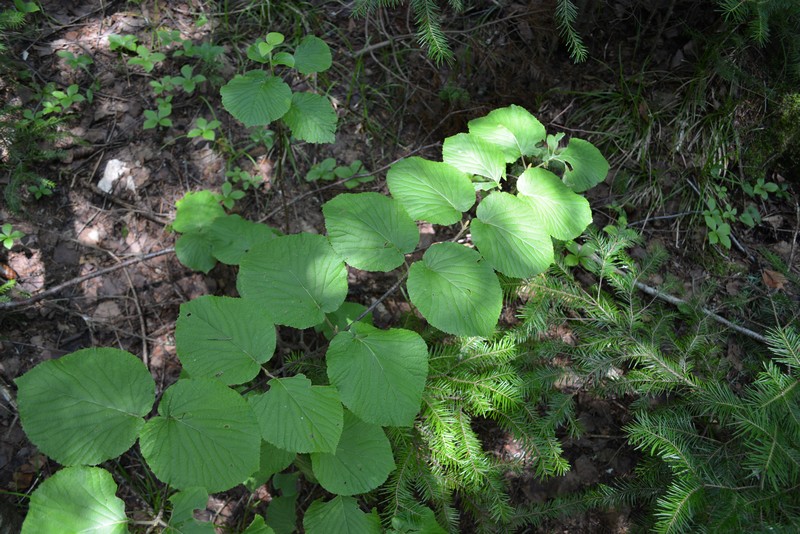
380	374
563	213
231	236
281	514
473	155
86	407
184	504
311	118
585	165
273	460
340	515
512	128
195	250
76	499
257	526
256	98
196	211
371	231
455	290
362	461
206	435
511	237
422	521
312	55
431	190
224	338
283	58
298	278
341	318
299	417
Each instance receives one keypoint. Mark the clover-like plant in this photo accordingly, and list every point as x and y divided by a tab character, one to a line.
208	436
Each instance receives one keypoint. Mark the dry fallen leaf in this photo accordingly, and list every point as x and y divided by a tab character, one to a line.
773	280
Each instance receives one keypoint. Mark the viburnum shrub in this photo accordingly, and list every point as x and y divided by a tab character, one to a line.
215	428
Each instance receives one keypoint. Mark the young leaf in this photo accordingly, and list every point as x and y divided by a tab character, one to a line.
196	210
340	515
273	460
471	154
195	250
513	129
256	98
455	290
224	338
231	236
312	55
311	118
585	165
371	231
298	278
430	190
299	417
86	407
76	499
510	236
205	435
342	317
258	526
563	213
362	461
184	503
380	374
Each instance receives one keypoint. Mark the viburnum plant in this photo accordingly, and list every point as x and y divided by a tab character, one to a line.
216	428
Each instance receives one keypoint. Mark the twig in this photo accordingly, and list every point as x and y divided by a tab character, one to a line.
75	281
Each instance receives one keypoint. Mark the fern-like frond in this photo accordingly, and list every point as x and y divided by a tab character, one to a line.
785	344
566	15
429	30
677	508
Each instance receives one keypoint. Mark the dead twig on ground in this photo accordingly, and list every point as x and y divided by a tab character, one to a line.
5	306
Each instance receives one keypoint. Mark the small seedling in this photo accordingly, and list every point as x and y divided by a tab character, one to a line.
351	172
8	235
204	129
230	195
244	178
322	171
164	85
579	255
717	220
761	189
188	80
159	117
68	97
43	189
76	62
146	59
122	42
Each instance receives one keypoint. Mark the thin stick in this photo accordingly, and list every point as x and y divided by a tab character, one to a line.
75	281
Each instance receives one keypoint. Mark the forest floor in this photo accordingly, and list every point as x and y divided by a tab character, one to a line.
390	105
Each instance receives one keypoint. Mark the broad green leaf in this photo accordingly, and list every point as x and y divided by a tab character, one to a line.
231	236
371	231
205	435
273	460
257	526
281	513
421	521
362	461
195	250
341	318
184	503
311	118
340	515
224	338
512	128
299	417
297	278
256	98
312	55
455	290
283	58
430	190
76	499
473	155
196	211
380	374
511	237
563	213
585	165
86	407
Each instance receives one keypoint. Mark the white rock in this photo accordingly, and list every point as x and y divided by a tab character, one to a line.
115	169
